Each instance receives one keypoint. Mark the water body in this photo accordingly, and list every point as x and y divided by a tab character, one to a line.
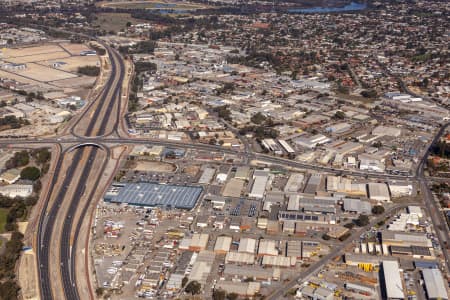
353	6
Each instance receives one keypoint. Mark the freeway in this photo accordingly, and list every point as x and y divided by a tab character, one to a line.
99	124
99	119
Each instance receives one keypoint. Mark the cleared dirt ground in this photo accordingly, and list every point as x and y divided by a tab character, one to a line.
153	166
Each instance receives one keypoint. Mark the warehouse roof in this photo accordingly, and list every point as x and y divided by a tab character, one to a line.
153	194
247	245
252	271
267	247
357	205
240	288
379	191
233	188
392	280
199	240
240	257
279	261
434	284
242	172
223	244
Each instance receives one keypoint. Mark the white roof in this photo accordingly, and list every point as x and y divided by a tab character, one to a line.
378	191
434	284
240	257
199	240
392	280
247	245
259	186
223	243
267	247
294	203
279	261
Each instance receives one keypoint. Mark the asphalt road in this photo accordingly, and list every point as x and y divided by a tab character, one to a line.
102	116
96	132
337	250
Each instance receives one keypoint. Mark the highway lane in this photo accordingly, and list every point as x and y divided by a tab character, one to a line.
97	126
46	226
94	122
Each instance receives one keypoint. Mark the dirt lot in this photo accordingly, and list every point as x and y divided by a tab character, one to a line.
154	166
39	57
72	63
28	51
39	65
27	275
83	81
74	49
43	73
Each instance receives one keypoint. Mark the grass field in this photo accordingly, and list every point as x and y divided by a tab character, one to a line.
115	21
154	4
3	214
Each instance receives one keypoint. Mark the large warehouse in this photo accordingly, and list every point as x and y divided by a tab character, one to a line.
153	194
434	284
393	286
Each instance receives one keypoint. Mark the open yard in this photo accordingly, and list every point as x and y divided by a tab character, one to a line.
28	51
153	166
72	63
52	64
43	73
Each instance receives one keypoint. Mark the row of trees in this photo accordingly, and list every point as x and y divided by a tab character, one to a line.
89	70
13	122
18	209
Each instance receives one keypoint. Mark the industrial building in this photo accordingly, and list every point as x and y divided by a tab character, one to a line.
391	282
260	179
243	289
311	142
357	206
222	245
378	192
434	284
255	272
247	245
153	194
294	183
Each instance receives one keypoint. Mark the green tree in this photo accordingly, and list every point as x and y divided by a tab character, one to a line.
9	290
362	220
30	173
184	280
339	115
20	159
219	295
258	118
42	155
193	287
232	296
377	210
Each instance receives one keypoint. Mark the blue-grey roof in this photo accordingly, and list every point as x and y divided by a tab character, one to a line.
154	194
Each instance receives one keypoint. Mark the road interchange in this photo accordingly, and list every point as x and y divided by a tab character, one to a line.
92	143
